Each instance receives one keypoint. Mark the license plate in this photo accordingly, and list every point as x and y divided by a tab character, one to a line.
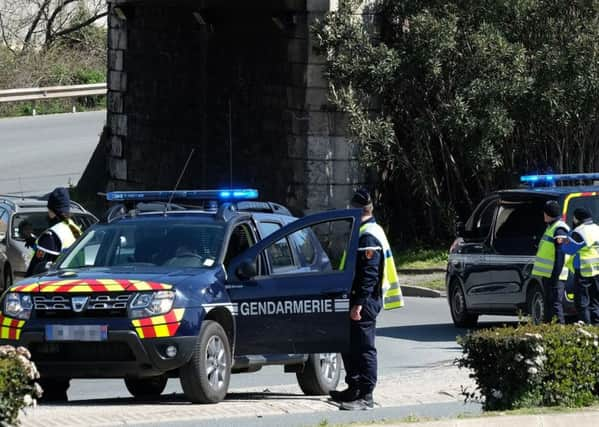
76	332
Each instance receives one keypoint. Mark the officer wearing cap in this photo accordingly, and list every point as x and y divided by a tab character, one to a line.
583	243
61	235
375	285
550	261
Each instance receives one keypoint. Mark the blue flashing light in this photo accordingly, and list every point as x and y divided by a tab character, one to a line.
552	179
224	195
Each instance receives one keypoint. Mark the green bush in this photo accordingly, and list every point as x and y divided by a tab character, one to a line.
533	365
18	389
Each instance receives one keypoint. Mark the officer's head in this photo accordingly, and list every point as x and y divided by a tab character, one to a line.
362	200
551	211
581	215
59	203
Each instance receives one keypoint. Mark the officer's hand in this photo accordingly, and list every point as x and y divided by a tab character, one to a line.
354	314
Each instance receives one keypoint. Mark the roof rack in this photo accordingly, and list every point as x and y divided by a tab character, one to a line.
553	179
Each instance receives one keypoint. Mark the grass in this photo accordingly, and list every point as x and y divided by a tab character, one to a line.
421	258
436	284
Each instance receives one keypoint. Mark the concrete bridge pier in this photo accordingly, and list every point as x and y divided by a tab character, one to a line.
236	81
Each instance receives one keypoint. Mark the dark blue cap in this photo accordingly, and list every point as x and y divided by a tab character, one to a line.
59	201
361	197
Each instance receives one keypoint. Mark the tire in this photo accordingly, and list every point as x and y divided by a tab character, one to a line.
459	311
205	378
54	389
320	374
146	388
537	305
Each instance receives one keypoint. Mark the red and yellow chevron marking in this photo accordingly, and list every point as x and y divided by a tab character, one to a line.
159	326
10	329
92	286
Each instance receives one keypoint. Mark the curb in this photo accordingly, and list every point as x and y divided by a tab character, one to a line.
417	291
421	270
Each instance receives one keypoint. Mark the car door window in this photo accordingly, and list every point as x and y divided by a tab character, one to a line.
518	227
3	223
591	203
305	246
242	238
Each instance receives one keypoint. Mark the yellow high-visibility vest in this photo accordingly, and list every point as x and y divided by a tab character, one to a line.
545	259
392	296
589	253
64	233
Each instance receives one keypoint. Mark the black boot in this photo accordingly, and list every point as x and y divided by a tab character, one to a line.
362	403
346	395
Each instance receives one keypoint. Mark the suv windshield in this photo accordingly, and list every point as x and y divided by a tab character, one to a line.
148	243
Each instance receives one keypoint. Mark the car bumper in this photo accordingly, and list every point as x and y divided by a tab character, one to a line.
123	354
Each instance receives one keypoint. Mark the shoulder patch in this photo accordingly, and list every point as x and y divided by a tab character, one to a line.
39	254
369	253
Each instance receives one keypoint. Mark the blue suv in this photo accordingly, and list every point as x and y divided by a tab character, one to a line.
195	285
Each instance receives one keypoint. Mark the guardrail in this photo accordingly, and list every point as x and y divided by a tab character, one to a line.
38	93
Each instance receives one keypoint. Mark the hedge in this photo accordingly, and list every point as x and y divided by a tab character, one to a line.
18	388
533	365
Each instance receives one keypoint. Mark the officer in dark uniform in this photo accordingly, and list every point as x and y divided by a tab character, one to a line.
366	303
61	234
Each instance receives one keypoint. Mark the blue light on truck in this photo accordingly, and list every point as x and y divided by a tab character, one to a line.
226	195
551	179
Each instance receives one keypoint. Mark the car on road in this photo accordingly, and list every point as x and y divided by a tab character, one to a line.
490	263
20	216
195	285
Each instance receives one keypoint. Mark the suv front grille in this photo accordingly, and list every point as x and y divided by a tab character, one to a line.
97	305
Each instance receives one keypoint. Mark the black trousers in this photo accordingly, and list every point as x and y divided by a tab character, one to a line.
361	360
586	298
555	290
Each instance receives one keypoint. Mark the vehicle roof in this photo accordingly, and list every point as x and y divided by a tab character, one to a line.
201	216
551	191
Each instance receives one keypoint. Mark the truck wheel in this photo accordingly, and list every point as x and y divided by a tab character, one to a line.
320	374
146	388
537	305
205	378
54	389
459	311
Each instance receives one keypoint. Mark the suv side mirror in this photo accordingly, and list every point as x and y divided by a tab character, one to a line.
460	229
246	270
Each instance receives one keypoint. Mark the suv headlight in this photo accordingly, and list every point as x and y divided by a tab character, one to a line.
18	305
147	304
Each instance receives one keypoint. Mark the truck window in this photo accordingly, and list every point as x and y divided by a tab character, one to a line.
479	224
588	202
518	227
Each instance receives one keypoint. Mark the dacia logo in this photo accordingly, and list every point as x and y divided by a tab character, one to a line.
79	303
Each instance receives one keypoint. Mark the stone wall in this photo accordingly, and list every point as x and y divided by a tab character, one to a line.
185	75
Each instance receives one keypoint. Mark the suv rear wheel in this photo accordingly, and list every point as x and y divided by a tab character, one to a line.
459	311
205	378
146	388
320	374
537	305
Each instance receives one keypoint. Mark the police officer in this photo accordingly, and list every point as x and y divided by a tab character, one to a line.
62	232
550	260
584	245
375	284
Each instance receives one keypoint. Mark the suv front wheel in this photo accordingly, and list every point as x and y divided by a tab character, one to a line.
459	311
205	378
320	374
537	305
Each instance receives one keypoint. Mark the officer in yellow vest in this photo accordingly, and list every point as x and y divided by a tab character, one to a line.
550	262
375	285
60	236
584	245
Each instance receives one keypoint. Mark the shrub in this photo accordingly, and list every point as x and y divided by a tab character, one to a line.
533	365
18	389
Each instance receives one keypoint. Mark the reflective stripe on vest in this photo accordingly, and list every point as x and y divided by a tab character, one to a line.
65	235
392	297
589	253
545	259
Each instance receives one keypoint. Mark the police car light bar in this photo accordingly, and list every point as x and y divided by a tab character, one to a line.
225	195
552	179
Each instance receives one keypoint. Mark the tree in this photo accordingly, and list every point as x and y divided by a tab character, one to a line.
456	98
30	24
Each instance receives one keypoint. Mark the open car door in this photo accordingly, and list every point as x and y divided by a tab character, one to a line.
304	306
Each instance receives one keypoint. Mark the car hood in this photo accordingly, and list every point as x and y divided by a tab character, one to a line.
109	280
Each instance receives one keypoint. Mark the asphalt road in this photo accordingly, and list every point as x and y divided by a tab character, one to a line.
40	153
418	336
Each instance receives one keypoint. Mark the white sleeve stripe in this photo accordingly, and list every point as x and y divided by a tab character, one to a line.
48	251
370	248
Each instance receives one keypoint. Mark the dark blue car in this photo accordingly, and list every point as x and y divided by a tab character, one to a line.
195	285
